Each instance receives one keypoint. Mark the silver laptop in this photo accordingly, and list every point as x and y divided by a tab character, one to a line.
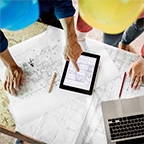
124	120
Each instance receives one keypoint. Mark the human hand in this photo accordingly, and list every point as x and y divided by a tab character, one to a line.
14	77
72	52
136	71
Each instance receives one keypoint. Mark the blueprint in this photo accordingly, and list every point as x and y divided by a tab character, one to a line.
39	65
93	131
40	57
39	70
55	117
64	125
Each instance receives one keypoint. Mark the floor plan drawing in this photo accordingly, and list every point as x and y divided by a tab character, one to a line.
93	130
39	73
64	117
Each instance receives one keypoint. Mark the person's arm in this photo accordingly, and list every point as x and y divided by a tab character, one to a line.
64	12
131	33
136	71
72	49
14	73
82	26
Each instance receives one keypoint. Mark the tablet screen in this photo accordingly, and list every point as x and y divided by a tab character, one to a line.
82	81
83	78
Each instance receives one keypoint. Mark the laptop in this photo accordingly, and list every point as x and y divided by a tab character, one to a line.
124	120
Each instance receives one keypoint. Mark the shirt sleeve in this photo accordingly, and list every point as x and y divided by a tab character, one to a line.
63	8
3	42
142	15
133	31
82	26
142	51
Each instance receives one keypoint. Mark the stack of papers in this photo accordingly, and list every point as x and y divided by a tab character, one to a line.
45	53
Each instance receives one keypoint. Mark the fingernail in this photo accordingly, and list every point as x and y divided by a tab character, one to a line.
134	88
22	83
137	88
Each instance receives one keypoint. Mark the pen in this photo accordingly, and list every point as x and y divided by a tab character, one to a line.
52	81
122	84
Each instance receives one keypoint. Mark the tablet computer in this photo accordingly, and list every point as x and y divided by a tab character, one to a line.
82	81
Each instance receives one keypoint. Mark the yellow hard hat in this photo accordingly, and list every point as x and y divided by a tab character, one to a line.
110	16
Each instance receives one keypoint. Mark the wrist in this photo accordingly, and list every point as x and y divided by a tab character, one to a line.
69	28
71	36
124	46
7	59
70	33
12	65
140	60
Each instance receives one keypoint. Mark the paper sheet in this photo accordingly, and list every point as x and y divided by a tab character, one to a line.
107	69
40	57
46	55
93	130
60	126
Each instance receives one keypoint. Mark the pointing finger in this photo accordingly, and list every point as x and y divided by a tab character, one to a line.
75	65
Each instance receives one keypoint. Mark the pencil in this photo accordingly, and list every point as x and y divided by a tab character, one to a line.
52	81
122	84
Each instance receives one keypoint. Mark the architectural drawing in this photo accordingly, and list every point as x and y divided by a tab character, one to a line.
83	78
39	70
93	130
64	123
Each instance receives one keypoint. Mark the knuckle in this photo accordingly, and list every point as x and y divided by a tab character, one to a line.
137	80
15	74
13	91
134	72
7	77
73	61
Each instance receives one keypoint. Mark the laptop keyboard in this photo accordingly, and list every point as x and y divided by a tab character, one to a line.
126	127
